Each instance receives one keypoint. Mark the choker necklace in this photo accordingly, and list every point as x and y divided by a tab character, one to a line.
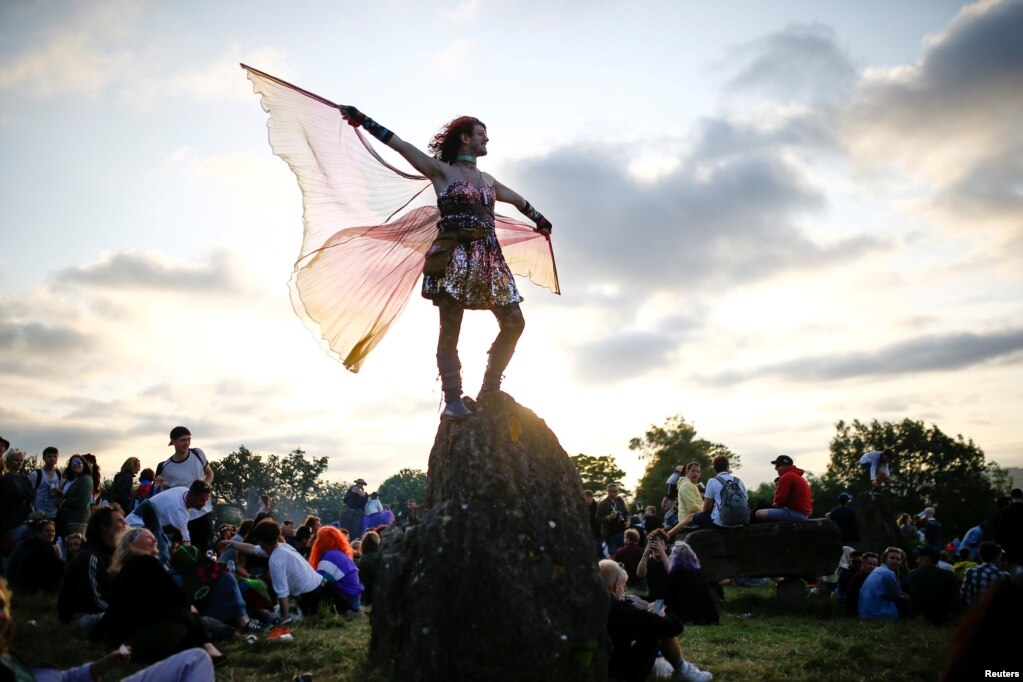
466	158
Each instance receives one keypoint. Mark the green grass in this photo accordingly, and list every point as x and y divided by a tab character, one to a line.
755	641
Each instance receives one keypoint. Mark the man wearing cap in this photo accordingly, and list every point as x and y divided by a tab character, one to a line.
846	520
186	465
933	592
355	505
792	499
174	507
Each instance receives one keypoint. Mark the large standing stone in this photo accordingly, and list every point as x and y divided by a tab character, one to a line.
498	581
799	550
878	529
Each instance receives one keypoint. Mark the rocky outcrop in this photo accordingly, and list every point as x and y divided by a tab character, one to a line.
799	550
878	529
498	580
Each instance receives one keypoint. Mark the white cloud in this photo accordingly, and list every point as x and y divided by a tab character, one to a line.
465	11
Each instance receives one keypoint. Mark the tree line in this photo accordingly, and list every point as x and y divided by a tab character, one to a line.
931	468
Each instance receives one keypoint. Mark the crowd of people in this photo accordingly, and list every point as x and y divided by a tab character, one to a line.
153	534
647	553
143	569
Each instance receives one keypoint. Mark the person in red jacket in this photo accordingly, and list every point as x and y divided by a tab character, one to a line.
792	500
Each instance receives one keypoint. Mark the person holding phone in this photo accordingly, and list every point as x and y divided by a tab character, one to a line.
653	565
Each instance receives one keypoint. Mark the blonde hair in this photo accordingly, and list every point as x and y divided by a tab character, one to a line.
125	549
611	572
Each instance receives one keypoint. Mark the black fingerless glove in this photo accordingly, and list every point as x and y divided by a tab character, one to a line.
542	224
356	118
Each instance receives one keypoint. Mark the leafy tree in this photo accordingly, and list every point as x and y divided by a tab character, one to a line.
929	469
237	475
397	490
666	447
597	472
292	480
326	503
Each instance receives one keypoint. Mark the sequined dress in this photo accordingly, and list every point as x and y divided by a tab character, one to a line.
477	275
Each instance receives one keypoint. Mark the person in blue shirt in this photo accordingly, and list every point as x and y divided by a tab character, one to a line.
973	538
881	595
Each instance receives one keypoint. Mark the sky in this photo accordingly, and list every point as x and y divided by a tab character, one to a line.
768	217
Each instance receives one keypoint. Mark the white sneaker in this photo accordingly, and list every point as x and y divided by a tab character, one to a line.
690	673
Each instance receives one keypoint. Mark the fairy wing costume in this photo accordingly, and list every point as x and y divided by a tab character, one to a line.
368	224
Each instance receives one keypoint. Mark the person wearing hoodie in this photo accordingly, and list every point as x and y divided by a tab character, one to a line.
792	499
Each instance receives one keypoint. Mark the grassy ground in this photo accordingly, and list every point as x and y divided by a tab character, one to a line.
755	641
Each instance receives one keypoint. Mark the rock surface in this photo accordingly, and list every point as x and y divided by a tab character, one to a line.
878	529
498	580
799	550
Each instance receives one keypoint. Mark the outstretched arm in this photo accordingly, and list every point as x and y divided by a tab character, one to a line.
515	199
427	165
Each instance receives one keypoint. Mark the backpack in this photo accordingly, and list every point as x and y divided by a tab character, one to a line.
39	479
734	507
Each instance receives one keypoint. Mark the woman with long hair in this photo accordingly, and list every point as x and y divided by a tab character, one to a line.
75	496
331	556
121	489
147	609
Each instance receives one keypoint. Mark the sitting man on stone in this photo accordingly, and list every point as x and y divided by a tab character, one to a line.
881	596
637	635
978	580
792	500
83	594
933	592
875	464
725	501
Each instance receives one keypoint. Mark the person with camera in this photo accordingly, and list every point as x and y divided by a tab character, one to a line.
653	565
612	513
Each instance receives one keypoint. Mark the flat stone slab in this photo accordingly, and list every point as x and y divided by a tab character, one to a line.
806	549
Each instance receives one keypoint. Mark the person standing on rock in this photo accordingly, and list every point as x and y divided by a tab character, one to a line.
465	268
612	513
875	464
355	501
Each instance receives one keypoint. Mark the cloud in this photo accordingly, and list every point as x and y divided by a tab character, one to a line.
465	11
130	270
801	62
70	63
932	353
952	120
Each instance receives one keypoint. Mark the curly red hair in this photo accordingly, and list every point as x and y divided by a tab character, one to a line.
327	539
445	144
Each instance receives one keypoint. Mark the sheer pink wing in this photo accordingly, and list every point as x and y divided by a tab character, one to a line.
367	224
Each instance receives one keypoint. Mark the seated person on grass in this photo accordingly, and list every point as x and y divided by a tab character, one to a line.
629	555
852	589
290	573
637	634
331	556
881	596
83	595
192	665
933	592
